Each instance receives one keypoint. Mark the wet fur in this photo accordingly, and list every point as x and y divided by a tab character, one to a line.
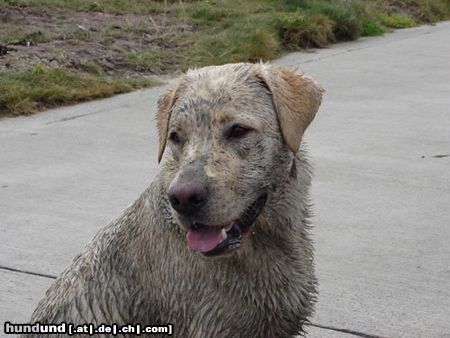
139	268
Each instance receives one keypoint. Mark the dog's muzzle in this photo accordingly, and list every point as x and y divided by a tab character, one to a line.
218	240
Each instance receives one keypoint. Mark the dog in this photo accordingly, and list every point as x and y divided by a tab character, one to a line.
218	245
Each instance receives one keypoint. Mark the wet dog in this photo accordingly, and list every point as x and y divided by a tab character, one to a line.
218	244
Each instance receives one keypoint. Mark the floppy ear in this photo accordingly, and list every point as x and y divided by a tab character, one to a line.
296	98
165	104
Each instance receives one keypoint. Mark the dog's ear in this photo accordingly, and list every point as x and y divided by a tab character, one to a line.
296	98
165	104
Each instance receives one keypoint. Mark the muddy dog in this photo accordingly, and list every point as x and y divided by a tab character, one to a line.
218	244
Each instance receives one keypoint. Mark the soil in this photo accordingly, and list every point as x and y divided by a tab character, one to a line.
89	41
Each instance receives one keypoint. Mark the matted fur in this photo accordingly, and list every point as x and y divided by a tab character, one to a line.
140	269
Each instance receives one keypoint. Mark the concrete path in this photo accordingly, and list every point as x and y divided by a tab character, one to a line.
381	147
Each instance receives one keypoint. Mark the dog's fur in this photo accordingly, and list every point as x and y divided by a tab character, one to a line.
140	269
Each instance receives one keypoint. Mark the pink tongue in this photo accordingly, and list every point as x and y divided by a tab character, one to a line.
205	239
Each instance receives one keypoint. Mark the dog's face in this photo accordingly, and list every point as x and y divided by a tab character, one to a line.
231	131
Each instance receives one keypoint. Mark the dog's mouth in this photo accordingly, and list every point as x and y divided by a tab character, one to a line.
218	240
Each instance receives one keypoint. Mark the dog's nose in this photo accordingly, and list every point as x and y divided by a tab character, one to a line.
187	198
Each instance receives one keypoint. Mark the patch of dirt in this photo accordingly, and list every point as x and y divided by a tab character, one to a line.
89	41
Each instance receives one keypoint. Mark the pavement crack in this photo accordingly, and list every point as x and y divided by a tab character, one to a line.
74	117
27	272
352	332
70	118
437	156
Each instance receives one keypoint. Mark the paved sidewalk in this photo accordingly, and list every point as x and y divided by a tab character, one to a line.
381	148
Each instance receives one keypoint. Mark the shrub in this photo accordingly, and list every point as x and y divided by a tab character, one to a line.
261	44
347	25
345	16
401	20
322	35
432	10
296	29
370	27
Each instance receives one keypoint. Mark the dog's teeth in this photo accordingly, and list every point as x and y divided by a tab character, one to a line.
224	234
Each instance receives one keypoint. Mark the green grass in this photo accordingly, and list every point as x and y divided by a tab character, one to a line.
14	33
230	31
31	90
234	46
153	59
208	14
222	31
395	20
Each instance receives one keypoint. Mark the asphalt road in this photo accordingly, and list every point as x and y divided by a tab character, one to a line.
381	148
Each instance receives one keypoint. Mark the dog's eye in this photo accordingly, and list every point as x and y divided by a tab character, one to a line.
237	131
174	137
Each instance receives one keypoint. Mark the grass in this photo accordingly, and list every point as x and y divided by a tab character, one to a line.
153	59
401	20
29	91
433	10
223	31
15	34
299	30
208	14
107	6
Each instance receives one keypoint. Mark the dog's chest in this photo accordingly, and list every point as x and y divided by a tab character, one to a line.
224	302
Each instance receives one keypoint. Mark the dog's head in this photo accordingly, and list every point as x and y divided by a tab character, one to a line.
233	132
